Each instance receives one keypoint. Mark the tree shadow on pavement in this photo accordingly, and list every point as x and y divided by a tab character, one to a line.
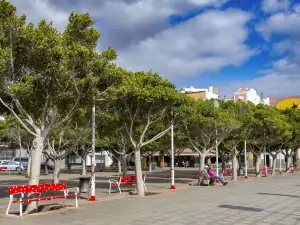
283	195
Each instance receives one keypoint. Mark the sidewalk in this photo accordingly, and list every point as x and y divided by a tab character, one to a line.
272	200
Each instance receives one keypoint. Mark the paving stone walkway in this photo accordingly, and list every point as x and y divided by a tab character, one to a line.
272	200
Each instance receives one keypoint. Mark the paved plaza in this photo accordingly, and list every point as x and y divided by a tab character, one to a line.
272	200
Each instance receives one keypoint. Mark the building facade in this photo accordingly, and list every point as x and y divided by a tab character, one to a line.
198	93
250	94
285	102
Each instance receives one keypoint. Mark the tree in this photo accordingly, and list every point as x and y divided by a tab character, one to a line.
293	144
234	142
57	149
268	128
207	126
45	74
141	101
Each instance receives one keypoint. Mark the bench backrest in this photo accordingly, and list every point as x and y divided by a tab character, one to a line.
130	178
227	171
36	188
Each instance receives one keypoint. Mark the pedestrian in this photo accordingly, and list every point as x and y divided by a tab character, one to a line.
214	177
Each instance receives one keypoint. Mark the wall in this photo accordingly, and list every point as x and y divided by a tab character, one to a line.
252	96
197	95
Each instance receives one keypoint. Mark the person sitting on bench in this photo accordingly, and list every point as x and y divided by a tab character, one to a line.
214	176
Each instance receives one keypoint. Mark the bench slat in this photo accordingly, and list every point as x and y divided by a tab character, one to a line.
36	188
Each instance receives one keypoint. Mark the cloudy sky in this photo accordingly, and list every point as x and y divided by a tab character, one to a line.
226	43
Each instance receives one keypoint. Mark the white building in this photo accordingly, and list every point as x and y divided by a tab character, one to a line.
250	94
201	93
102	158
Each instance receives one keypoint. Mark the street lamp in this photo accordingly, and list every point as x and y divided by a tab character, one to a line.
172	159
93	174
217	105
245	112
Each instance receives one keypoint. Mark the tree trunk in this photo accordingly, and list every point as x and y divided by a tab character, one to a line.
138	173
239	164
274	166
124	165
150	163
162	159
83	172
201	166
56	171
119	166
29	166
223	162
201	162
234	166
296	160
289	161
257	163
35	170
46	167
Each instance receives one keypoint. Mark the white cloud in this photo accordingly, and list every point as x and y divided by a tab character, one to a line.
283	77
281	23
36	10
272	85
272	6
140	30
205	43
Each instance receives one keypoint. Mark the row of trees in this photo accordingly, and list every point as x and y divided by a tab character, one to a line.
50	80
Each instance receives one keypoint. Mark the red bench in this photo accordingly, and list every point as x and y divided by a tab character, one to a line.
203	180
227	172
38	189
264	171
291	169
125	181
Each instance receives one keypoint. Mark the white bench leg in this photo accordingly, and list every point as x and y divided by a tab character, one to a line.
119	188
76	201
145	186
21	209
109	187
8	207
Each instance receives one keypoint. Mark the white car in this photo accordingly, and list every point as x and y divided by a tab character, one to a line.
12	166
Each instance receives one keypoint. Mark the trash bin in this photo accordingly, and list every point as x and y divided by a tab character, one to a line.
84	184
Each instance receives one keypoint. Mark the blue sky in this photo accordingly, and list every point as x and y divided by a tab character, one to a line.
226	43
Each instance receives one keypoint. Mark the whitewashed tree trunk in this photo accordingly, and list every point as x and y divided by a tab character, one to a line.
83	172
289	161
274	166
119	166
29	166
201	166
34	178
36	158
150	163
234	166
201	161
56	171
257	163
138	173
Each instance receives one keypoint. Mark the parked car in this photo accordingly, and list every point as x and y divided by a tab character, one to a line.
2	161
13	166
23	160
